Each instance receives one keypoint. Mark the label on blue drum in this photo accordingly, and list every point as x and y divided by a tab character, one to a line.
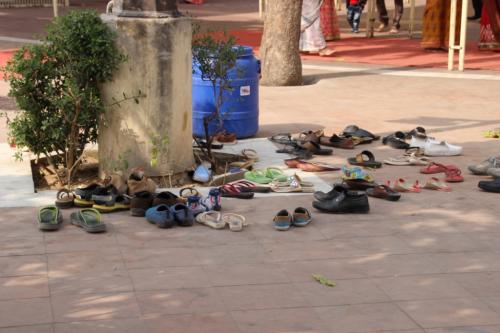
245	91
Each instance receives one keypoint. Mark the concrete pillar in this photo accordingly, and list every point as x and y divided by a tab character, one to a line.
156	133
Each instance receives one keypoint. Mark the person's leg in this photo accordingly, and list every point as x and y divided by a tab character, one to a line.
478	7
398	13
383	17
350	16
356	18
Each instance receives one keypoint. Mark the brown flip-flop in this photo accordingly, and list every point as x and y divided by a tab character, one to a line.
365	159
315	148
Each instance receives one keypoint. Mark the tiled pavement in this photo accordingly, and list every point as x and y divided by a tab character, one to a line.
395	272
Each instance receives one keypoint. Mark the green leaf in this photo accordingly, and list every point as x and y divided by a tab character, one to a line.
324	280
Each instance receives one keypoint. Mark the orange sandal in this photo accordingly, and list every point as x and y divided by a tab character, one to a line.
402	185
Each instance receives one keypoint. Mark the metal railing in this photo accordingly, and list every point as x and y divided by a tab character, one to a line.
28	3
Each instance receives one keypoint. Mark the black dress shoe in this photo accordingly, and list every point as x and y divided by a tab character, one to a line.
345	202
396	140
336	190
490	186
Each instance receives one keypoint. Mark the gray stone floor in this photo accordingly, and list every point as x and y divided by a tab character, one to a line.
429	263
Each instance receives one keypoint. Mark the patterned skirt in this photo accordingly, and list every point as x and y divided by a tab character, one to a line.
488	37
329	20
436	24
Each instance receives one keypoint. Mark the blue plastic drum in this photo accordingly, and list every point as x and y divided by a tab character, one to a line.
240	109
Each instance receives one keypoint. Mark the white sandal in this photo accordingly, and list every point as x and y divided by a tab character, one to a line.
236	222
211	219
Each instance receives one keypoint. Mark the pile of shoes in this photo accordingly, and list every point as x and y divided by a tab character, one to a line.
419	139
310	143
490	167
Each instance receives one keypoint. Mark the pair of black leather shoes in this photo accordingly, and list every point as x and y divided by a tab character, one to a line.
341	200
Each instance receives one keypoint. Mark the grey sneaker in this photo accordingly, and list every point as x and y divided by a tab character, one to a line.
483	167
494	172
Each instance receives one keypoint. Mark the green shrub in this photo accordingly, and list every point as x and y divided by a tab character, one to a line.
56	84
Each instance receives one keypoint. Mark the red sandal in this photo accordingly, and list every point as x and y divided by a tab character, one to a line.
437	168
453	176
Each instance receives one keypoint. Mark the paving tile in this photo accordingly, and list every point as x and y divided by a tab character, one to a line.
23	265
302	271
466	261
365	318
345	292
91	282
219	322
168	278
488	239
450	312
261	297
64	243
421	287
479	284
189	300
122	325
349	228
233	254
465	329
231	275
383	265
24	287
280	252
65	264
163	257
46	328
267	234
492	302
69	308
25	312
21	246
442	242
300	320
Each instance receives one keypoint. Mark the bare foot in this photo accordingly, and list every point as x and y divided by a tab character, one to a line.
326	52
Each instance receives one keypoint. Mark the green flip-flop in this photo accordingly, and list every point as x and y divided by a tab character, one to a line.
258	176
49	218
276	174
89	219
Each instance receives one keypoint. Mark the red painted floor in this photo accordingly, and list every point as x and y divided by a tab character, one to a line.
398	52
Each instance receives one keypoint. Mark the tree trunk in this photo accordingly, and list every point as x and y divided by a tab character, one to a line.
281	64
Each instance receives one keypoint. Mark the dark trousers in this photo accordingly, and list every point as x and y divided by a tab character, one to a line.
478	7
384	17
354	16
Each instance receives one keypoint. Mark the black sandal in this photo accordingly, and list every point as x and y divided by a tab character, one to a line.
365	159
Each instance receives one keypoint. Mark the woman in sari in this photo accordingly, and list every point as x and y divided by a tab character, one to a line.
329	21
311	36
490	26
436	24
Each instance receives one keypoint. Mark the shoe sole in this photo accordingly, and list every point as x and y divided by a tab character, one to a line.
349	211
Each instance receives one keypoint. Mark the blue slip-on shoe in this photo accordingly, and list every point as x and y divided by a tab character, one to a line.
183	215
282	221
161	216
301	217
